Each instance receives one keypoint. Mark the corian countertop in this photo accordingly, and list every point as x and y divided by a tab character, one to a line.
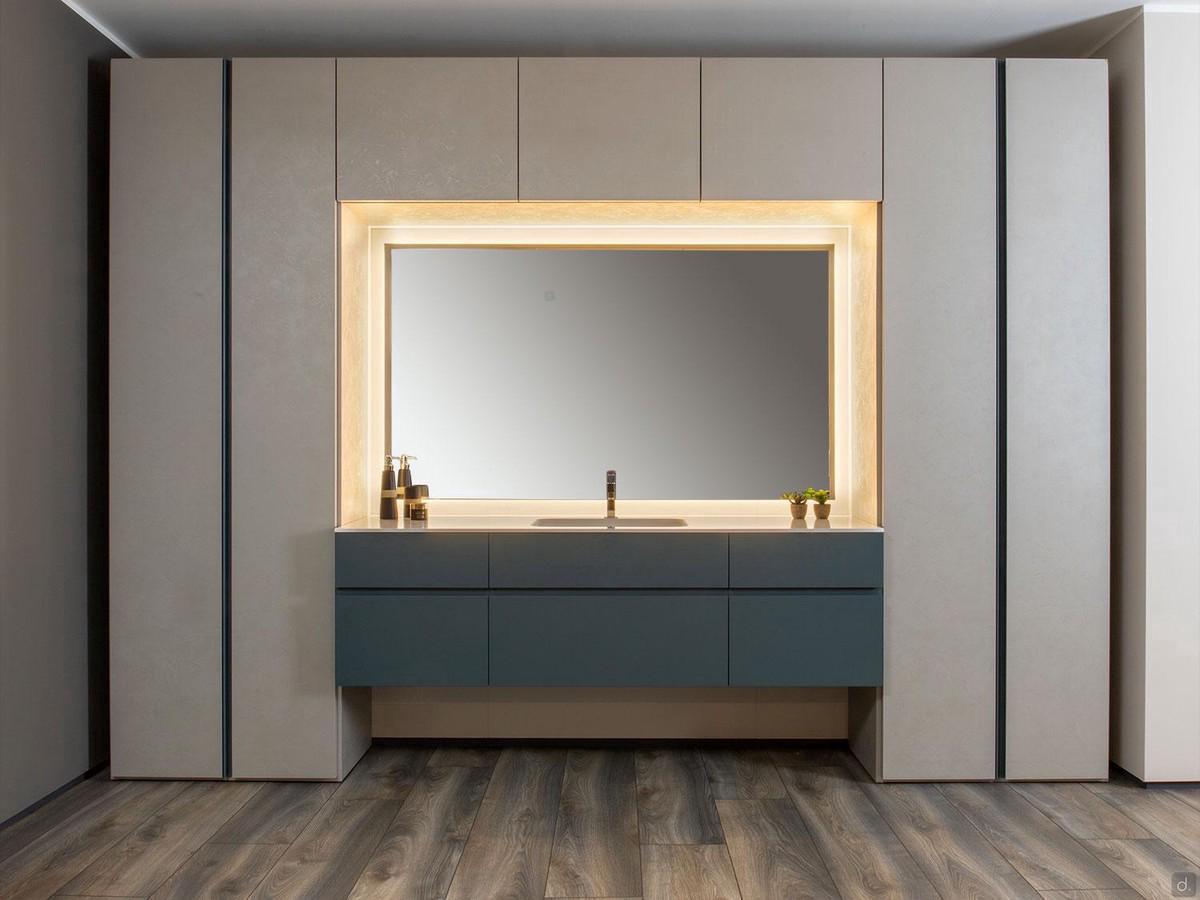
719	524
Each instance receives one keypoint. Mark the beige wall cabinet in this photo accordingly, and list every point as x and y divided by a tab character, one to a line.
610	129
939	419
792	129
427	129
1059	502
283	415
165	418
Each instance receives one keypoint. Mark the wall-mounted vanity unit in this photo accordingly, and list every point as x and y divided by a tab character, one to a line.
948	380
690	606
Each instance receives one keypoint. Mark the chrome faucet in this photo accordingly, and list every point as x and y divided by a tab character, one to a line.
611	493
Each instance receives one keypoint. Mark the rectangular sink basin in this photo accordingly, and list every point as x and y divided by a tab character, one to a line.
603	522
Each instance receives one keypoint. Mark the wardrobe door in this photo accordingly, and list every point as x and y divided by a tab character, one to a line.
165	445
610	129
284	417
792	129
939	419
1059	502
427	129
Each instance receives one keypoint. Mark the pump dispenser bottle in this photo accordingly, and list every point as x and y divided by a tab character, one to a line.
403	480
387	491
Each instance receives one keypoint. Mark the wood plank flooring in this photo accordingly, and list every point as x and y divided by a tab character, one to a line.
644	823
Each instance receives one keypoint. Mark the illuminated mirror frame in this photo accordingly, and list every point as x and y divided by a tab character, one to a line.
847	229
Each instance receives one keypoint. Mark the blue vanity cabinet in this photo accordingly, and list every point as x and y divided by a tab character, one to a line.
609	638
373	560
811	638
610	609
852	559
609	560
403	638
806	609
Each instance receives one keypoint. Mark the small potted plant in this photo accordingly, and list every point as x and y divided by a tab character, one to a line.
798	501
820	501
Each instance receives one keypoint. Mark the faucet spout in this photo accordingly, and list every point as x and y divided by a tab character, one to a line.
611	494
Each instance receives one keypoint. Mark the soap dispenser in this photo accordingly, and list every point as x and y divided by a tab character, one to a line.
387	491
403	480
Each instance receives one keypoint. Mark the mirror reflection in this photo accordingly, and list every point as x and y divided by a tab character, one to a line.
527	372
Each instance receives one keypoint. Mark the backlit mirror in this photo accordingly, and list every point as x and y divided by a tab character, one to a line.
696	373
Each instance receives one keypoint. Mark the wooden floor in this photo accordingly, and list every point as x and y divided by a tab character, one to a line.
468	823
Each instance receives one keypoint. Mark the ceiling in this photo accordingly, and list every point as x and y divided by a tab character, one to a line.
607	27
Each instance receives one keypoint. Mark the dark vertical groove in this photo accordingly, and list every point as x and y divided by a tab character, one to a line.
97	410
226	429
1001	420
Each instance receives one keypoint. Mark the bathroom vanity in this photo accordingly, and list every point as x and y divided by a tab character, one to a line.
721	601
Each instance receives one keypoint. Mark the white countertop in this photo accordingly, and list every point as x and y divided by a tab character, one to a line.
718	524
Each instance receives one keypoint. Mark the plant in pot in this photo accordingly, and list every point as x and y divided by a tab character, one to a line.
798	501
820	501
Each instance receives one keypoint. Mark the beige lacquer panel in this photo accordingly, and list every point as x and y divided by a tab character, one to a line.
427	129
1059	500
792	129
609	129
165	418
939	419
284	401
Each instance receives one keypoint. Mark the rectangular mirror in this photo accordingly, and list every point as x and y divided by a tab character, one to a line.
696	373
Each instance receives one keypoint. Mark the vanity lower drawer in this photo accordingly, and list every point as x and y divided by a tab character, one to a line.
801	560
609	560
609	638
419	560
805	638
412	637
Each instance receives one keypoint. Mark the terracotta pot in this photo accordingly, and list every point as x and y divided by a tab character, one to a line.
799	510
823	510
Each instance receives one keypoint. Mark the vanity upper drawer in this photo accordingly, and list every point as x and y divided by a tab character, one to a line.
412	637
609	560
422	560
609	638
825	560
805	638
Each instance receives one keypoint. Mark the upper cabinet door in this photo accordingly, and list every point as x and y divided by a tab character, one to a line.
792	129
427	129
610	129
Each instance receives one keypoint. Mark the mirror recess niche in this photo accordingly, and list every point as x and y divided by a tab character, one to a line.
520	349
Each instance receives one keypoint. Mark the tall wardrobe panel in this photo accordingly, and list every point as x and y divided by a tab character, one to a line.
284	424
1058	419
610	129
427	129
792	129
165	418
939	419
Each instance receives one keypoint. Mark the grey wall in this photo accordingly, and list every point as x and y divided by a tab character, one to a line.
53	603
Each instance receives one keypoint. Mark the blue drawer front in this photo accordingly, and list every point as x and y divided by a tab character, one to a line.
412	638
805	638
803	560
389	560
609	638
608	560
